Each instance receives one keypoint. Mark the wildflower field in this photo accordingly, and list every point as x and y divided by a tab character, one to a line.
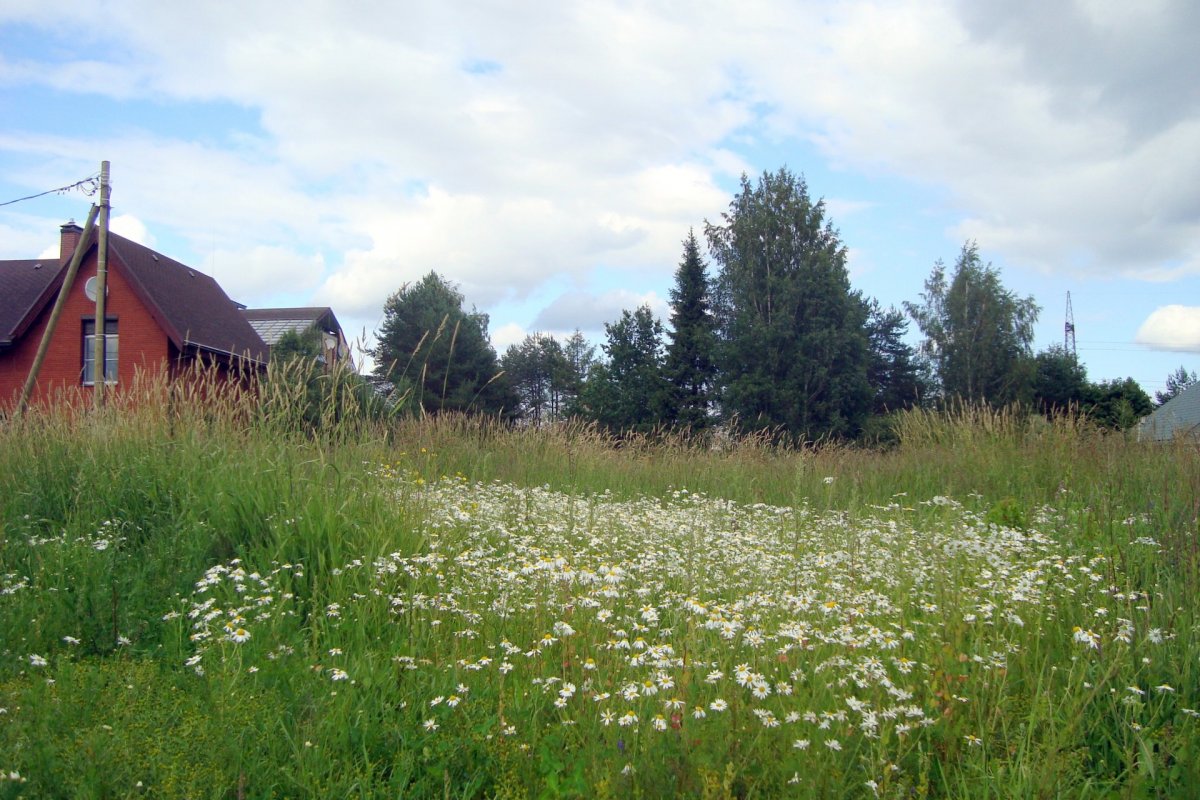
219	606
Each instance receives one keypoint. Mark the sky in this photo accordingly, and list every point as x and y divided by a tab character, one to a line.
550	158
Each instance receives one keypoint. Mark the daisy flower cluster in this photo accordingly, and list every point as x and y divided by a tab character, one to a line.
228	604
109	535
682	616
661	614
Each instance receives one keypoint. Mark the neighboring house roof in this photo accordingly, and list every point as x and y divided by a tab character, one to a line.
272	323
22	285
191	308
1179	416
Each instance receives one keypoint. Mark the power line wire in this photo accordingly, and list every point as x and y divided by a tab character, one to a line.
89	185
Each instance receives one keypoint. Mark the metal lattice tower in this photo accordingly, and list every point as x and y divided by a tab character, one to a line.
1069	330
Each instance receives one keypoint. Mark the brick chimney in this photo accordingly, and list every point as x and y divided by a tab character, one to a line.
70	238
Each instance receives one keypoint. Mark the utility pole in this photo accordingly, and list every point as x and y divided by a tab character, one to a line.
99	372
68	281
1069	330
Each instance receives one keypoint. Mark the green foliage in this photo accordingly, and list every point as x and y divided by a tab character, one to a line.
978	335
1008	513
896	376
124	728
1060	383
427	343
348	551
1177	381
303	392
292	345
545	380
690	367
626	391
580	356
793	352
1117	404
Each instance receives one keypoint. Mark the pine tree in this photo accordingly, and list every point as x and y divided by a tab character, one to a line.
537	370
893	371
1177	381
624	393
690	369
438	354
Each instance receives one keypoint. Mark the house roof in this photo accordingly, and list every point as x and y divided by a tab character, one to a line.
22	284
188	305
272	323
1179	416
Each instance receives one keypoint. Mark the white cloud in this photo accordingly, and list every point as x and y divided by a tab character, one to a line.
1061	162
131	228
600	132
507	335
254	275
838	208
1173	327
589	312
857	263
27	242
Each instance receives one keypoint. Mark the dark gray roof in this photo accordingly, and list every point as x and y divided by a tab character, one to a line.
22	285
1179	416
189	306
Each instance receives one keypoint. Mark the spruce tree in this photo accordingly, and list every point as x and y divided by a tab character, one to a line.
793	344
690	369
894	372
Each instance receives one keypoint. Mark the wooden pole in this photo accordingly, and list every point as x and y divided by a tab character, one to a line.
99	373
68	280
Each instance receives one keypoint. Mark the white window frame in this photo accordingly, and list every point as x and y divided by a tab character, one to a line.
110	351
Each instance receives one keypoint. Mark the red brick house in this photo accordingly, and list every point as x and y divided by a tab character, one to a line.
161	315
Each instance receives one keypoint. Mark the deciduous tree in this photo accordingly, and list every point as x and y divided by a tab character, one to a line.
1060	382
978	335
1117	404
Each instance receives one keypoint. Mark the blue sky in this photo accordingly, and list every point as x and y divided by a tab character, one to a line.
550	158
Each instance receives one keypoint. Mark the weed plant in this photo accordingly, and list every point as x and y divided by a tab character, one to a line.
283	593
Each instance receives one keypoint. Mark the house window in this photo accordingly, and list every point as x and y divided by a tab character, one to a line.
89	351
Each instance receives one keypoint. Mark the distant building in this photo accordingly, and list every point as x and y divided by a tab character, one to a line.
272	323
1178	417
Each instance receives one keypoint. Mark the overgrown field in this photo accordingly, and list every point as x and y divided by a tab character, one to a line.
215	605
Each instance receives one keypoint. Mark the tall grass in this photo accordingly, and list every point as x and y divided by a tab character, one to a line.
281	590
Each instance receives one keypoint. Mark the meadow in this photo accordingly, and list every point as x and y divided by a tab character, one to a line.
219	599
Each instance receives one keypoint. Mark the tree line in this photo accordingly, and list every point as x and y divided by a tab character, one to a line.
775	339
